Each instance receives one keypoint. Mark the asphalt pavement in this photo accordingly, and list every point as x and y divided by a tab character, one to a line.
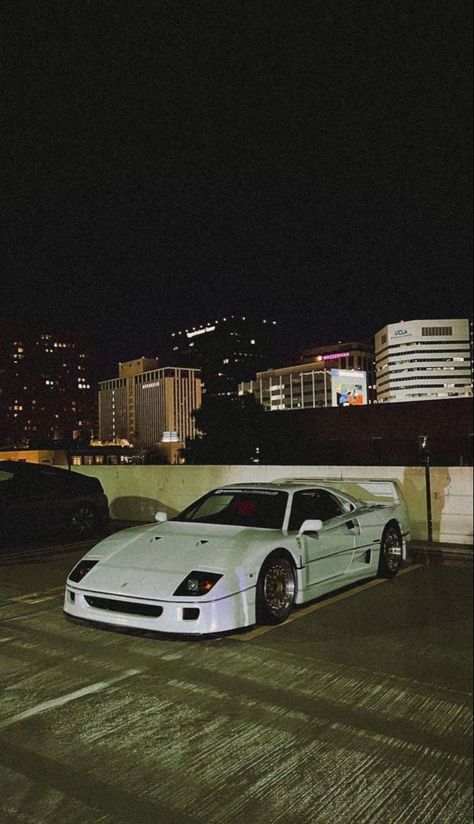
358	709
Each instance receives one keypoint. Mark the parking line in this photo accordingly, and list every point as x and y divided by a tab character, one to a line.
295	616
43	553
61	700
37	597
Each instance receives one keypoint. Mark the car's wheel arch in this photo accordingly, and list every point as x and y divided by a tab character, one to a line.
283	551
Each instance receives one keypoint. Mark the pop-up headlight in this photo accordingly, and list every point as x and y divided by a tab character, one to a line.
197	584
81	569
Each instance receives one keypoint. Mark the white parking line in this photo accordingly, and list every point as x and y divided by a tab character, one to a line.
295	616
37	597
65	699
26	555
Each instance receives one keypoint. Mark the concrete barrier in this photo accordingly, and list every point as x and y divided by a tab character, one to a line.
137	492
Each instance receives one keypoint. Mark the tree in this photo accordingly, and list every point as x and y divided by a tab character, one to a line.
231	430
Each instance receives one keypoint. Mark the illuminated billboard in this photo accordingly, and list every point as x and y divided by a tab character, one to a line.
349	387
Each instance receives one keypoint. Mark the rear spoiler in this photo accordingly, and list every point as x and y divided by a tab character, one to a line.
370	490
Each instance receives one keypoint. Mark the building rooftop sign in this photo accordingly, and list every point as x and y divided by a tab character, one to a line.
334	356
200	331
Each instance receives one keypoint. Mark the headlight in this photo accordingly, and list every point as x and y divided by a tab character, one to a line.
197	583
80	570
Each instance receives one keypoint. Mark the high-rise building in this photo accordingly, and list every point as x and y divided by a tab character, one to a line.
142	403
423	360
46	388
227	351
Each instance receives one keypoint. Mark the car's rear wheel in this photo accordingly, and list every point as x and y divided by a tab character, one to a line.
276	588
391	552
84	521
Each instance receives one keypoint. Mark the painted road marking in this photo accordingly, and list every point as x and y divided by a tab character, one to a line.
66	699
37	597
42	552
295	616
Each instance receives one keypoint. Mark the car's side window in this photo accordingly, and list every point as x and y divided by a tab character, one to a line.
55	482
313	504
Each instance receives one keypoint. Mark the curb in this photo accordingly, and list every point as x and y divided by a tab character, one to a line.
419	551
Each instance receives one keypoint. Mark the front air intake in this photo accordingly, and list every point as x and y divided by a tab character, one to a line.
128	607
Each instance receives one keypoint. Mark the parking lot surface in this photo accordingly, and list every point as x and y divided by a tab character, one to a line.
358	709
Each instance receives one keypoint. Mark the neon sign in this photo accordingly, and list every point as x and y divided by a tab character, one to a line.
336	356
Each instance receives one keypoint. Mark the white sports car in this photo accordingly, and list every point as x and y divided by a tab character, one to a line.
240	555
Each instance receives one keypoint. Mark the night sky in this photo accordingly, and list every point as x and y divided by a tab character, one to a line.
168	163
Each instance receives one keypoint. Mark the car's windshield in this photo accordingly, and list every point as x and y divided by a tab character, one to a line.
263	508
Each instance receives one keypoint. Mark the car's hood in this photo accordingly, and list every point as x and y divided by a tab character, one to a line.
151	561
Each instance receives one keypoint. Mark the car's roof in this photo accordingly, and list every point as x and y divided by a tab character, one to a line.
284	485
39	470
19	466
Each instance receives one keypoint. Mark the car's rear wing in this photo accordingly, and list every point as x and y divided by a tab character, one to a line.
372	490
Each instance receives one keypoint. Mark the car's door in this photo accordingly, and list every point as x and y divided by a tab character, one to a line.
20	507
51	496
7	505
328	553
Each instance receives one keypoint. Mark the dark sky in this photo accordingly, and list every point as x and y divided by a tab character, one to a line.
170	162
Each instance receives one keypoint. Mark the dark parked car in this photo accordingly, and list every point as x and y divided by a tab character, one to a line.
38	500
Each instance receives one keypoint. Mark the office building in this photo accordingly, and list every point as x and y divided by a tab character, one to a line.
46	388
313	382
227	351
421	360
141	404
357	355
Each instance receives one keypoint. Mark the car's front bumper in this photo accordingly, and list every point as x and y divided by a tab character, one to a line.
179	617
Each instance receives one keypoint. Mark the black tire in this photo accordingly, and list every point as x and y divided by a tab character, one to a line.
276	589
391	552
84	521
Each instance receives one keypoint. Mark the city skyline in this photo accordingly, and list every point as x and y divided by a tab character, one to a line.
105	359
184	162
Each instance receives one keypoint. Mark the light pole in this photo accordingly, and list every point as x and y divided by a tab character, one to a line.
424	452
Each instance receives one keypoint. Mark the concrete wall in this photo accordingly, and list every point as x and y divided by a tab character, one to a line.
137	492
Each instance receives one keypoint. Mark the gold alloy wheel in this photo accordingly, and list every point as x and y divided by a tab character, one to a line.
279	587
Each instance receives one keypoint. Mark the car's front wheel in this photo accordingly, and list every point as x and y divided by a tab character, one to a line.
84	521
276	588
391	552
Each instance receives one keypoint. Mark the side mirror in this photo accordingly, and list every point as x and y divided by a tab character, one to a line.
160	517
310	525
